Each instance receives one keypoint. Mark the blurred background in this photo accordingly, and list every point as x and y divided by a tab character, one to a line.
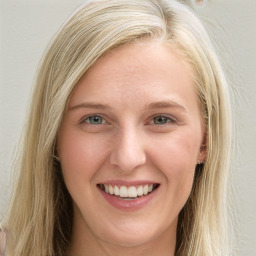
26	28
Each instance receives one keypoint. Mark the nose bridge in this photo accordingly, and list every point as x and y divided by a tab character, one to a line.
128	151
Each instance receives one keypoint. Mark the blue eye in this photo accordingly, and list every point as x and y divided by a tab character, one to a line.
95	120
160	120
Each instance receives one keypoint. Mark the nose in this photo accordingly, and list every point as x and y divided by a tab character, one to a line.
128	152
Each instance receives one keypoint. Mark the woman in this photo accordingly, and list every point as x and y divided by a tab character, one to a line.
127	144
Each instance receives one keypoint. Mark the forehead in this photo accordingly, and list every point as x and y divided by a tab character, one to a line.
135	57
146	70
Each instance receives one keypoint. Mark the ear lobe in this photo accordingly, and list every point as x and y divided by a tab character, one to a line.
203	149
55	153
203	152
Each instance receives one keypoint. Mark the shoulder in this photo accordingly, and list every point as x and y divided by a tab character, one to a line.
3	242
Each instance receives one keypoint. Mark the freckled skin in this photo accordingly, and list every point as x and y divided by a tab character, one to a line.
128	144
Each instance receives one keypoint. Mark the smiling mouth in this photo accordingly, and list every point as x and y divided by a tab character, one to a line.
128	192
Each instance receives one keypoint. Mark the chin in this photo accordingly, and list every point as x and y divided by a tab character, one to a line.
134	237
130	240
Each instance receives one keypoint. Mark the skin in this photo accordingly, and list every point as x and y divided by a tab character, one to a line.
134	84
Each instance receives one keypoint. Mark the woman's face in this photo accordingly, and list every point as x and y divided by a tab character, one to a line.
129	144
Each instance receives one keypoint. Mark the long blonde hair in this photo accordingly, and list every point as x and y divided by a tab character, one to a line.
40	217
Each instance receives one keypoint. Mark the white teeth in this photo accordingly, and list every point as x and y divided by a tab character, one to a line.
145	190
123	191
111	190
132	192
128	192
116	190
140	191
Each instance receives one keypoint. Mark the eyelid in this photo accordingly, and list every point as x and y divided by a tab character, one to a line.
172	120
167	116
84	118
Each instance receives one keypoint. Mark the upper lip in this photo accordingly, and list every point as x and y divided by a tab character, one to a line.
128	183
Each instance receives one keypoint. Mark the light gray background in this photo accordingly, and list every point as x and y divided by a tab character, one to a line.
26	28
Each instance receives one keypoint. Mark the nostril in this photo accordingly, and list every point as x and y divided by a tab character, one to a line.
127	151
127	162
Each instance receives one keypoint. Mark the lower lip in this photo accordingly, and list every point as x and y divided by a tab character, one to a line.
129	205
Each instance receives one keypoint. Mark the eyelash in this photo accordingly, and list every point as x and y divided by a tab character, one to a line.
167	120
84	120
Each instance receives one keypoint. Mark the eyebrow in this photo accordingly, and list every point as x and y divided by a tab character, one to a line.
90	105
153	105
166	104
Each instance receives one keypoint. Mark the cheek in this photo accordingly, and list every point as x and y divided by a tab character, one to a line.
177	150
177	160
81	155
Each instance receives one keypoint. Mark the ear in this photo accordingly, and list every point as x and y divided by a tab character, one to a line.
203	151
202	154
55	151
